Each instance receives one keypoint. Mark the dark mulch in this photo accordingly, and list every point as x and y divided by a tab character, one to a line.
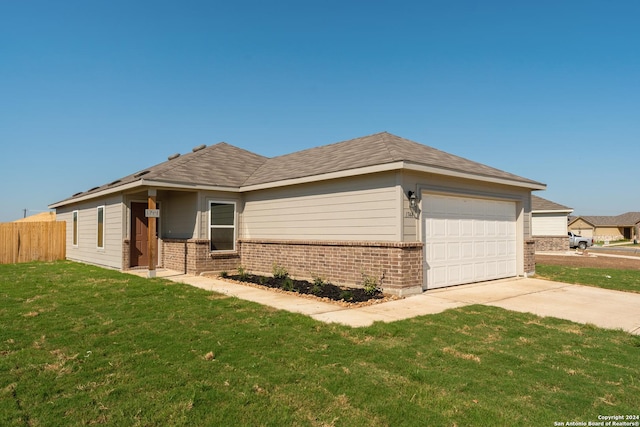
326	290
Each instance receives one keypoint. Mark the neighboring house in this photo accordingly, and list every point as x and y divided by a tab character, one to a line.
607	228
549	224
40	217
410	215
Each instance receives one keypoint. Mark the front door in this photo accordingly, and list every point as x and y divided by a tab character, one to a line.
140	236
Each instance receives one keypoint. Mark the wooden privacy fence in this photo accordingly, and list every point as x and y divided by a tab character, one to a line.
32	241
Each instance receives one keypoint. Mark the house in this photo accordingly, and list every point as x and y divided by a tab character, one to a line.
549	224
607	228
39	217
412	216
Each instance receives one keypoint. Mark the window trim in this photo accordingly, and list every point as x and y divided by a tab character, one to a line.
75	215
234	226
98	208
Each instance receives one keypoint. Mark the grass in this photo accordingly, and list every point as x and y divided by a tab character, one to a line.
81	345
608	278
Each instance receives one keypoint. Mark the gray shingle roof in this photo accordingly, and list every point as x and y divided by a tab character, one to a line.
220	164
378	149
540	204
227	166
628	219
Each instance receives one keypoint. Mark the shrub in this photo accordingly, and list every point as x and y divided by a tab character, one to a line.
370	284
243	275
346	295
287	284
224	274
279	272
318	284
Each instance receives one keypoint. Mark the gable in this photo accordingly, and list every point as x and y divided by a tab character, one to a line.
543	205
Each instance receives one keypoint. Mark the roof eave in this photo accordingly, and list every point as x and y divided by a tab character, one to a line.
390	167
466	175
567	211
142	183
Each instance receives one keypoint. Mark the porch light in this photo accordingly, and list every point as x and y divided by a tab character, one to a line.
412	199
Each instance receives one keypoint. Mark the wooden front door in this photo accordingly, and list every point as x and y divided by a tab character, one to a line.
140	236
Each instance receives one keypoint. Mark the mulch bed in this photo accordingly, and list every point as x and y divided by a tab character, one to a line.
328	292
587	259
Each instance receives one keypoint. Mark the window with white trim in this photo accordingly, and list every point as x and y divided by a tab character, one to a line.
222	226
100	239
75	228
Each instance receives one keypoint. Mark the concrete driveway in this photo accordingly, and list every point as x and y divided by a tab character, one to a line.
583	304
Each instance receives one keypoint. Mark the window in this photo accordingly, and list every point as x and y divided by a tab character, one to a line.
222	226
101	227
75	228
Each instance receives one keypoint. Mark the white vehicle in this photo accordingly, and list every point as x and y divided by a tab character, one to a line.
576	241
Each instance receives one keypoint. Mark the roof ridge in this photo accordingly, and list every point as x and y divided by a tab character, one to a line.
393	152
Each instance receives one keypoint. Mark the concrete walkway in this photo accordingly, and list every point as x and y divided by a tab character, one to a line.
582	304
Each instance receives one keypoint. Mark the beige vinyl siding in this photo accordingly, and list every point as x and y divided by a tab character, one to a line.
582	228
87	248
357	209
549	224
608	233
179	215
410	219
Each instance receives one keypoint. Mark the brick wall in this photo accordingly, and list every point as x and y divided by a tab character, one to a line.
193	256
397	266
174	254
551	243
529	257
607	237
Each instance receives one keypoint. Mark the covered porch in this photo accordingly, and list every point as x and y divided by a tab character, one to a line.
183	227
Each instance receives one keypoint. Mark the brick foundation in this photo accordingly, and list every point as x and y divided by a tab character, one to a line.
551	243
174	254
529	257
193	256
396	265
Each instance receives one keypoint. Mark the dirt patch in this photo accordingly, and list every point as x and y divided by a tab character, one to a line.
590	260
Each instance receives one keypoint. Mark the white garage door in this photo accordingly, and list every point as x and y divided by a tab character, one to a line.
468	240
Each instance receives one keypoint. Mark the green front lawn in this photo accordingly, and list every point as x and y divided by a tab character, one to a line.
82	345
608	278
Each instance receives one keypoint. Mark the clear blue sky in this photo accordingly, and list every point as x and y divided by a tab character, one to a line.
94	90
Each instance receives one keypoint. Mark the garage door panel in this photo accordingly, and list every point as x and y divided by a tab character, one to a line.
491	249
439	276
453	274
439	252
502	249
468	240
453	251
466	228
439	227
466	250
478	250
453	228
467	273
490	229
